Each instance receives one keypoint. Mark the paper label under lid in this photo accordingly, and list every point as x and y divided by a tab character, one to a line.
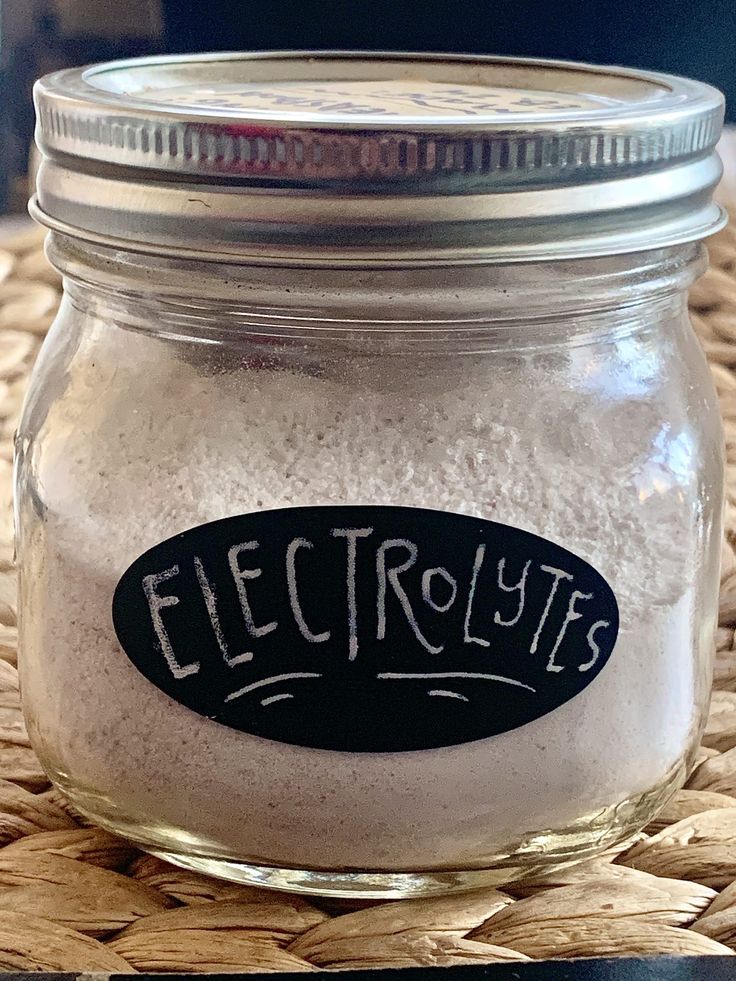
396	99
365	629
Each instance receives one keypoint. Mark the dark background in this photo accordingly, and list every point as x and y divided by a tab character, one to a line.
690	37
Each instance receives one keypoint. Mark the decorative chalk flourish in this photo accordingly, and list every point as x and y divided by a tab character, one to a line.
473	675
271	681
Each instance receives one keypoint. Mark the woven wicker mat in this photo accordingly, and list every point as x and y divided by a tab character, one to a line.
74	898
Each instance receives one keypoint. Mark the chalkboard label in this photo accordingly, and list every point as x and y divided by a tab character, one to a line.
365	629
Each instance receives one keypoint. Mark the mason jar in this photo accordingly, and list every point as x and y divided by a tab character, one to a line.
369	480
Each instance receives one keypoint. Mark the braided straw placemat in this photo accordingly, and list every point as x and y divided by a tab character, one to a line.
74	898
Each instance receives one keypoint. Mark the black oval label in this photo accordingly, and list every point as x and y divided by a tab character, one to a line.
365	629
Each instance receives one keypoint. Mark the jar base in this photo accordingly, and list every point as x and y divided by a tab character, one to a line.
536	855
348	885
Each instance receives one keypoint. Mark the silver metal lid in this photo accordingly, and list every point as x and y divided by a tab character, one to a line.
346	157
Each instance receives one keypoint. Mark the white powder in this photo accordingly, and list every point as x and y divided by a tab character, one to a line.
142	447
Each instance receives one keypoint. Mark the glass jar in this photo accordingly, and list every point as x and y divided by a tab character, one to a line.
382	563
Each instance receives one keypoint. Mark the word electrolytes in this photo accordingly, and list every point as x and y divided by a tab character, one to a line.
365	629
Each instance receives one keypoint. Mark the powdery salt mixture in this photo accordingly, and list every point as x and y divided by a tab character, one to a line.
175	448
